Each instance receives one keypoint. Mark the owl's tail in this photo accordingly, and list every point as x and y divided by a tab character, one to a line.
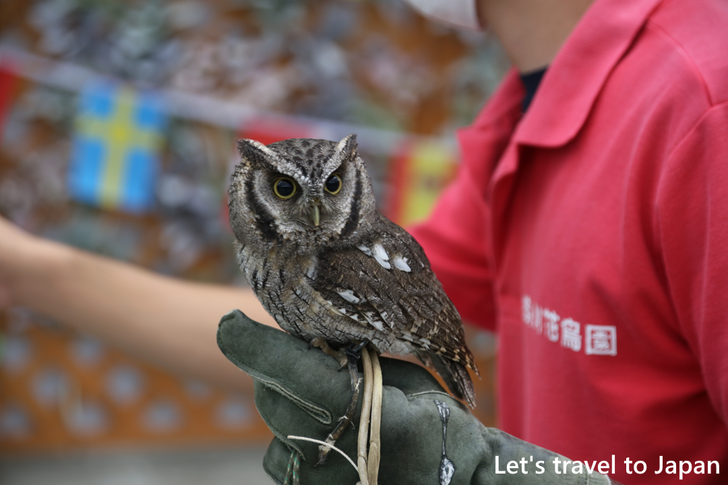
456	377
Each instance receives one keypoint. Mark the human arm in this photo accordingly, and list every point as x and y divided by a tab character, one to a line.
300	391
691	223
165	321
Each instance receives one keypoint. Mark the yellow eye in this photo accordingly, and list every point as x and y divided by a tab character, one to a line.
284	187
333	184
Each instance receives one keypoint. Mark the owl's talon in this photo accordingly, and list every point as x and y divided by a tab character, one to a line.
321	343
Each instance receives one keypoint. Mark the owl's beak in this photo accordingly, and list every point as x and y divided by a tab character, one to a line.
315	214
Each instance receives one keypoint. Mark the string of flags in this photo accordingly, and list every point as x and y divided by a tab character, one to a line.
119	136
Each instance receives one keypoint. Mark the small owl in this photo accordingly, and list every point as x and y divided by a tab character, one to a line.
325	263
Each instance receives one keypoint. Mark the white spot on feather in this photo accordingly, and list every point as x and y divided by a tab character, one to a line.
381	256
349	296
379	252
365	250
373	321
401	264
385	318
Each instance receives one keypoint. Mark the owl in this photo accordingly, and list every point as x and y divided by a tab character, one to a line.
326	264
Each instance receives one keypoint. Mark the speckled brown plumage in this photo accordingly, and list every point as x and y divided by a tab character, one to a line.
356	275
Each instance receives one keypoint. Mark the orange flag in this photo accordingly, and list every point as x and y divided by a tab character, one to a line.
420	171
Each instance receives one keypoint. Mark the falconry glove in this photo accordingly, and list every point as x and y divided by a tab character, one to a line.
427	437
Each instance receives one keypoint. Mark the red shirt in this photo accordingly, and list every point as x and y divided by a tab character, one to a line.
592	234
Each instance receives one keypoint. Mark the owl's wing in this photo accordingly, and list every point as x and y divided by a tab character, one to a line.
386	282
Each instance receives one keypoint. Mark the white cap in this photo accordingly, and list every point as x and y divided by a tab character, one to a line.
459	13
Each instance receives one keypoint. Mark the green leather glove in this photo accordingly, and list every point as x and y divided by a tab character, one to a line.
425	433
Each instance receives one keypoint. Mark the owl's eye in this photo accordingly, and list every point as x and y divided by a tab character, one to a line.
333	184
284	187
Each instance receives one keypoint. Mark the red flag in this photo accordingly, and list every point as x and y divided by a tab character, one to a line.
8	90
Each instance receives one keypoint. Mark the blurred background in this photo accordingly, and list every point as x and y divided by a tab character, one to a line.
118	122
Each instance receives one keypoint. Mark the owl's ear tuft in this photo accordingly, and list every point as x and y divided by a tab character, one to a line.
346	148
254	150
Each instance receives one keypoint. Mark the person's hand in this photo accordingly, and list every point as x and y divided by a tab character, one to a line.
300	391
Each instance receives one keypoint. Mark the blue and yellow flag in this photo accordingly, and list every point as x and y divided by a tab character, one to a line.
115	159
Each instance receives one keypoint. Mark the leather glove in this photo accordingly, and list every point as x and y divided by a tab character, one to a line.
425	433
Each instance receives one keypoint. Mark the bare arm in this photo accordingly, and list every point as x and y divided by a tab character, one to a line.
166	321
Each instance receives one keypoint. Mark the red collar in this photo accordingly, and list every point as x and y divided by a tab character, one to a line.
580	69
575	78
